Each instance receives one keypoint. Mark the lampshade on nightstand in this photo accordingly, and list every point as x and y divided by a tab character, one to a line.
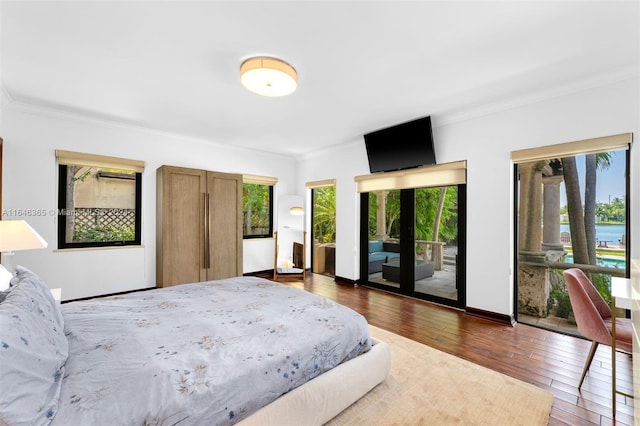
17	235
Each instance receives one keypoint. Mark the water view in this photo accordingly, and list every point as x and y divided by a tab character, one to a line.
612	236
607	261
610	233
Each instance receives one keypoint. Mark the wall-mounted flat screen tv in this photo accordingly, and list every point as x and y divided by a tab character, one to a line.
399	147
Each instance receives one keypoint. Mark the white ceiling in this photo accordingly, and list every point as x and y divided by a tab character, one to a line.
174	65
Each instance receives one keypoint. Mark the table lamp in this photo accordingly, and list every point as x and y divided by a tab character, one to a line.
18	235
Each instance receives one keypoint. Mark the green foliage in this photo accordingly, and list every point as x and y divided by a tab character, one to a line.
324	214
426	203
392	210
615	211
426	207
602	282
255	207
90	234
559	296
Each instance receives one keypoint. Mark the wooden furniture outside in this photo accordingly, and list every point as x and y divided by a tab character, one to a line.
198	225
391	270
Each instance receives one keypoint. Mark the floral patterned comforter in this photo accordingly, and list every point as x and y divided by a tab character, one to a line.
206	353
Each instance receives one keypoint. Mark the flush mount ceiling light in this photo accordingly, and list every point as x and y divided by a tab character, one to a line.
268	76
296	211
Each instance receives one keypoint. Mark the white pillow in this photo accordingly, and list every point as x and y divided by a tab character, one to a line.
33	352
5	278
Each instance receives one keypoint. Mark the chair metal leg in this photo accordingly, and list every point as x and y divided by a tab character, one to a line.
587	364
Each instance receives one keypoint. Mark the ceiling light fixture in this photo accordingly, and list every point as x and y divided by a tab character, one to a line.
268	76
296	211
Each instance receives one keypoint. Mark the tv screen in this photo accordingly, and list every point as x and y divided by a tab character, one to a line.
404	146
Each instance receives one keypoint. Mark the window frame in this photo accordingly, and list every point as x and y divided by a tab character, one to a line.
269	233
619	142
270	184
66	158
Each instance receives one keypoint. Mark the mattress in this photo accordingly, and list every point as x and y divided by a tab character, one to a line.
204	353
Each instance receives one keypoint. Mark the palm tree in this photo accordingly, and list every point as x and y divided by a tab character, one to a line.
574	211
590	206
593	162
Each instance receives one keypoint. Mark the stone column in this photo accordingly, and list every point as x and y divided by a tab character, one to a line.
530	209
381	216
551	214
533	282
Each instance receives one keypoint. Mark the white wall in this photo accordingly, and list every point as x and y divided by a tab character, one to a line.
31	137
486	142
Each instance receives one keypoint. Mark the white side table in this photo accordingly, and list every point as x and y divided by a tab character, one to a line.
621	297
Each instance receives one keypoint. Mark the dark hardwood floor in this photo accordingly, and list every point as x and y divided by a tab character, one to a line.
544	358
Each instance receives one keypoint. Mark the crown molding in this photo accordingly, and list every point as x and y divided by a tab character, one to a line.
31	106
448	117
600	80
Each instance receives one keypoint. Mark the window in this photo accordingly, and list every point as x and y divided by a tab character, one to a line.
257	206
99	200
571	211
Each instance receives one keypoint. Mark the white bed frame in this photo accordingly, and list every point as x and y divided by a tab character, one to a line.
321	399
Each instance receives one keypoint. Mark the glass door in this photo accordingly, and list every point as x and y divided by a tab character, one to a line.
323	216
384	239
413	242
437	242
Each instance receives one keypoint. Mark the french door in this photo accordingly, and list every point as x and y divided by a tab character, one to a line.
323	230
413	242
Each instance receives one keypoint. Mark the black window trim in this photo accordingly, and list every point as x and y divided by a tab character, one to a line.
269	234
62	205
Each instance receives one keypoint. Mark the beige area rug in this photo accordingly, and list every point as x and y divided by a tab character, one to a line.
430	387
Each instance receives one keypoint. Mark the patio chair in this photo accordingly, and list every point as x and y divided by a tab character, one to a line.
593	316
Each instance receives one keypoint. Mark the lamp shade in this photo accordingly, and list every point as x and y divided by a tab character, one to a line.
18	235
268	76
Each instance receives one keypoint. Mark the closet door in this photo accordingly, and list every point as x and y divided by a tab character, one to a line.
224	225
180	245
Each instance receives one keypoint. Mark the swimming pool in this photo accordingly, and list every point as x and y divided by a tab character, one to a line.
609	262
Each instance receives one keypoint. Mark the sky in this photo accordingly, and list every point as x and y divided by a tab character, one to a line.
610	183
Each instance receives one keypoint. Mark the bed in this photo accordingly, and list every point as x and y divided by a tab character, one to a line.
241	350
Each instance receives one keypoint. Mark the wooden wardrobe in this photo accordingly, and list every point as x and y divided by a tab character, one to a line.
198	225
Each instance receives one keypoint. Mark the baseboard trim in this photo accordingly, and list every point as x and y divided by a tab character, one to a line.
492	316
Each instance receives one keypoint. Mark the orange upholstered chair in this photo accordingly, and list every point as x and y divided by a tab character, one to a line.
593	316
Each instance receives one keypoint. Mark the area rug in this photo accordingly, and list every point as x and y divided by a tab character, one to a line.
430	387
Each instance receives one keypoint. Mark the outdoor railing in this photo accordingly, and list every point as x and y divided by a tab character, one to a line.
614	272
